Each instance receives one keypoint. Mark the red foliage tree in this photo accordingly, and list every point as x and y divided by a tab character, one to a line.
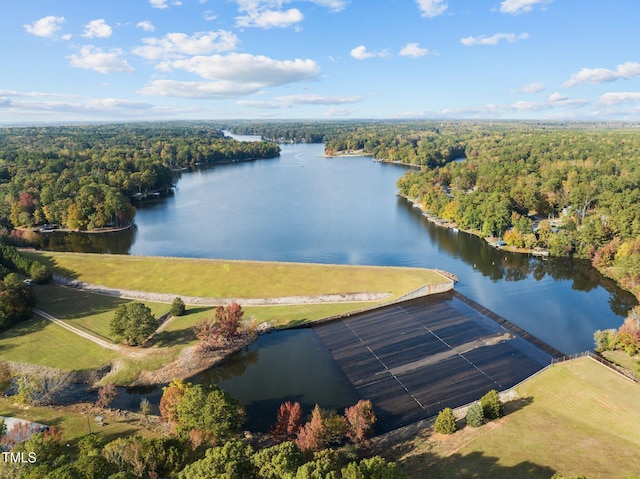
313	435
226	326
106	395
361	419
229	320
288	423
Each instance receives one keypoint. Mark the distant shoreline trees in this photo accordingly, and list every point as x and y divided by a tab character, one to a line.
84	177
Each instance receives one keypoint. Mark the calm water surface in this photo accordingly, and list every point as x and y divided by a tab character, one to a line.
307	208
303	207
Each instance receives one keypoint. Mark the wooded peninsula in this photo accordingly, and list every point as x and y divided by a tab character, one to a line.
85	177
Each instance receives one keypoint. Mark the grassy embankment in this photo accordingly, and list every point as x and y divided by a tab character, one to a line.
574	418
41	342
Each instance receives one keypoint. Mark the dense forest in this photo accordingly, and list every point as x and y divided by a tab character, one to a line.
85	177
570	189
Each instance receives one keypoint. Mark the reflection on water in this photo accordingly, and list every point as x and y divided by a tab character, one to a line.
306	208
282	366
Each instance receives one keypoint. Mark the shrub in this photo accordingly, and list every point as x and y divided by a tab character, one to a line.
445	422
475	415
492	406
177	307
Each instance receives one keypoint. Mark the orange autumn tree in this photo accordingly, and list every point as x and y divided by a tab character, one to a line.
289	421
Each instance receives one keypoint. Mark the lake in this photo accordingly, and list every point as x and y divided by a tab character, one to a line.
307	208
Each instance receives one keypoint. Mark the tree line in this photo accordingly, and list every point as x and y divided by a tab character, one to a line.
84	177
16	295
575	193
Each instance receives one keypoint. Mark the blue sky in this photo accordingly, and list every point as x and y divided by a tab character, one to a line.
89	60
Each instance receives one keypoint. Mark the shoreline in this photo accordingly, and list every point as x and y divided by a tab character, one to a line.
107	229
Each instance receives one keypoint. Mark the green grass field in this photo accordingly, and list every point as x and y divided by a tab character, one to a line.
234	279
574	418
38	341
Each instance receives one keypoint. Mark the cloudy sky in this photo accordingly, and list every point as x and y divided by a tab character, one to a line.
88	60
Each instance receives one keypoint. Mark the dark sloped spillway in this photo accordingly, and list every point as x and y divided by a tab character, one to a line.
415	358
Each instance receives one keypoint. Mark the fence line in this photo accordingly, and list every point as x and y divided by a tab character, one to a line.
630	375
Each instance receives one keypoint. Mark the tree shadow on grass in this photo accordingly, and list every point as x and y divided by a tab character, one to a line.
69	303
24	328
172	338
191	310
517	404
478	465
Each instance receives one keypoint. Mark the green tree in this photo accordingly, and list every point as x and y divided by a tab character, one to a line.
278	462
209	409
90	462
177	307
133	323
475	415
230	461
492	406
445	422
372	468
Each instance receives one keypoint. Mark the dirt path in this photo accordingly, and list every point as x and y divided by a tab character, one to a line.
196	300
100	342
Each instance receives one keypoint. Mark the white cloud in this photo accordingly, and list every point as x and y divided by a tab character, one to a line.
176	45
516	7
147	26
33	94
617	98
86	107
270	14
494	39
333	5
556	97
294	100
413	50
432	8
361	53
247	68
215	89
536	87
92	58
97	28
270	18
45	27
626	71
159	4
210	15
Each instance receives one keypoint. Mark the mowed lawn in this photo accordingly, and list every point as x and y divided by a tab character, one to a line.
234	279
86	311
39	341
574	418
